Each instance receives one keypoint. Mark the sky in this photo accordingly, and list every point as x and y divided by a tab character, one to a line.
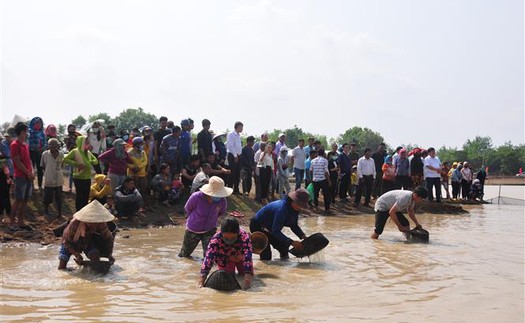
432	73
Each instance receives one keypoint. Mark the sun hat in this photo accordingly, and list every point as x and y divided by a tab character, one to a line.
300	197
94	212
281	135
137	140
218	135
284	148
215	188
259	242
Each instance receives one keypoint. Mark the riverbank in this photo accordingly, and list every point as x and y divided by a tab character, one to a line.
164	216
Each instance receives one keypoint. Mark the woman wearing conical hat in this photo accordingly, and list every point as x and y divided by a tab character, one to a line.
85	233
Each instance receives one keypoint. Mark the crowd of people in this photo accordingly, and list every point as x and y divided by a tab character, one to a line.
127	171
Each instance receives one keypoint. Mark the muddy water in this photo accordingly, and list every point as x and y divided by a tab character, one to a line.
472	271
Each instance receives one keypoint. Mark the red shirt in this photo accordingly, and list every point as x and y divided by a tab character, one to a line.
21	149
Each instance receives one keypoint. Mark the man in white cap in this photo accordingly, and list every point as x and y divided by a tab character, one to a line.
203	209
88	232
280	143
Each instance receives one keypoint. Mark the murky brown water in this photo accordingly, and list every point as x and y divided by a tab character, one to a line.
472	271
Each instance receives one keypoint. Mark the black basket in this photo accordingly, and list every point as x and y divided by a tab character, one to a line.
222	280
313	244
418	235
99	267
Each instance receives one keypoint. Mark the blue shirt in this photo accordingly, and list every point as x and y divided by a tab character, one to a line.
278	214
185	143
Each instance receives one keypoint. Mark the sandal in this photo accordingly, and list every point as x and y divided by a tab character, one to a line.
27	227
13	228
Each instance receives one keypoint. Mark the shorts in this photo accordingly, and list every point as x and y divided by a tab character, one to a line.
23	188
382	216
64	254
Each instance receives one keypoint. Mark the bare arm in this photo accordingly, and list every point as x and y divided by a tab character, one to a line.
393	216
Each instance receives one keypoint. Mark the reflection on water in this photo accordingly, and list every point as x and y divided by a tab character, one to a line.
471	271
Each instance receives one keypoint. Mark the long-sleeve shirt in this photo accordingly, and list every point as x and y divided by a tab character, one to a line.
124	196
53	176
233	143
247	158
117	166
203	215
220	253
278	214
139	159
366	167
170	148
185	143
466	174
345	164
78	156
84	240
282	167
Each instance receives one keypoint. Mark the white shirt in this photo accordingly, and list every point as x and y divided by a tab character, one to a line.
53	176
366	167
299	157
434	162
319	168
233	143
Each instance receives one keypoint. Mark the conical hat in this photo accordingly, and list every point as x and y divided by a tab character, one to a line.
94	212
216	188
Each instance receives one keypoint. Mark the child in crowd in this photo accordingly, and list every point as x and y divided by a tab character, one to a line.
110	205
176	187
354	181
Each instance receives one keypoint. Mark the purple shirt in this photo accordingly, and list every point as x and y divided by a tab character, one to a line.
202	215
117	166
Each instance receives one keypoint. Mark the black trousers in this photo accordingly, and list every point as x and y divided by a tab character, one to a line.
234	179
465	188
365	184
455	189
56	192
82	188
246	174
378	184
266	254
343	185
322	185
36	156
265	176
436	182
403	182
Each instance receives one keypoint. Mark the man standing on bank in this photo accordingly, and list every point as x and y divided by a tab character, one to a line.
234	149
392	204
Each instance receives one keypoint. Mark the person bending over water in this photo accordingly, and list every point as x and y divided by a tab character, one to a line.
392	204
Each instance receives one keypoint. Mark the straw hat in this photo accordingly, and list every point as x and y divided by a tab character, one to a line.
215	188
94	212
259	242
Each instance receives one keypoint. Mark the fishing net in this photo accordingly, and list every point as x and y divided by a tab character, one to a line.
505	201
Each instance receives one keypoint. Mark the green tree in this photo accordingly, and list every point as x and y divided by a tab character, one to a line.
507	159
477	150
130	118
101	116
79	121
61	129
294	134
365	138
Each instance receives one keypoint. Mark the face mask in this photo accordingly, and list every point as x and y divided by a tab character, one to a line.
334	157
94	129
125	137
72	132
37	126
141	148
229	242
216	199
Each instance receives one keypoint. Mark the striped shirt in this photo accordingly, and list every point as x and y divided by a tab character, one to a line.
319	168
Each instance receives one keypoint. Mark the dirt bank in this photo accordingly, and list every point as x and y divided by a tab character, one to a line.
505	180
